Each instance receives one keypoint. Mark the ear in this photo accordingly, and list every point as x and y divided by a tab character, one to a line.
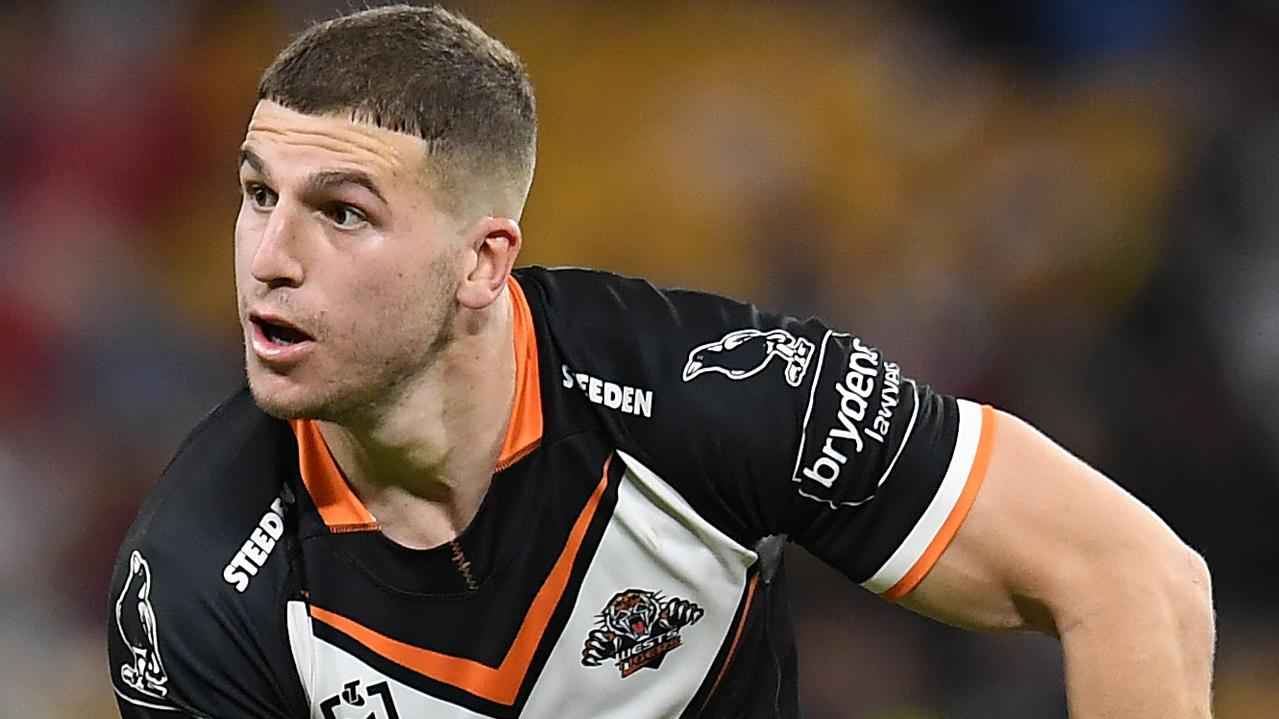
494	243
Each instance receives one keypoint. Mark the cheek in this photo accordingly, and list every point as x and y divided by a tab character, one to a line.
409	296
394	298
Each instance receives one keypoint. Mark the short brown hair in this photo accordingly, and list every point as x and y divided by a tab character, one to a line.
428	72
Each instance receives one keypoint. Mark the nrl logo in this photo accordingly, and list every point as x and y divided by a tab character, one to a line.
744	353
353	695
638	629
135	619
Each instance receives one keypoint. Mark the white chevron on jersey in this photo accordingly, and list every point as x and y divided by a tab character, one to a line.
654	541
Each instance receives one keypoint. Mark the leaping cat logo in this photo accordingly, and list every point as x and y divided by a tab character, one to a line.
136	620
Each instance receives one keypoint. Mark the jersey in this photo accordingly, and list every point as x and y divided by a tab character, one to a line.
625	561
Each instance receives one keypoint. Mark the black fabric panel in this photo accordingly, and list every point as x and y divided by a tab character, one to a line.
476	619
389	589
857	540
761	682
766	424
221	652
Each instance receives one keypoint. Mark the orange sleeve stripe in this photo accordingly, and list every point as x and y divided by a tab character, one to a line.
499	684
957	514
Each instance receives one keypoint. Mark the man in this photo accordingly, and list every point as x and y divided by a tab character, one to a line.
457	490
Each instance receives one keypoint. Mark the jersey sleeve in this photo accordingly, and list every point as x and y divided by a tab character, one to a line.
183	638
774	425
176	649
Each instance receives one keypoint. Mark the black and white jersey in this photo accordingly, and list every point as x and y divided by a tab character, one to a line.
624	563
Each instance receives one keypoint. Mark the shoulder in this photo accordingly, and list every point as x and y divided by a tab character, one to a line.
178	610
599	299
613	327
701	389
219	436
227	470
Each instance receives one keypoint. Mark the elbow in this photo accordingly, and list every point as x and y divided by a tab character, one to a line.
1182	619
1163	589
1177	578
1188	588
1150	628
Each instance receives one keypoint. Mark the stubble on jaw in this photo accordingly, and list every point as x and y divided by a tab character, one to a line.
357	390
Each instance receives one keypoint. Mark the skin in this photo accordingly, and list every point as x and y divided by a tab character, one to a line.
1053	546
406	304
411	375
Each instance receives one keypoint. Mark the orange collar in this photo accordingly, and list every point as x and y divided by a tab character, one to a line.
342	511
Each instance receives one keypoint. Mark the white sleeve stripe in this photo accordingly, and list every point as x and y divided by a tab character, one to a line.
930	523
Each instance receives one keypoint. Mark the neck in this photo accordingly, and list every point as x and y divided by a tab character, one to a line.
423	463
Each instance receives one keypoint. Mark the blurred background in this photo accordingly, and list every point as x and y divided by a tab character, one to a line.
1067	208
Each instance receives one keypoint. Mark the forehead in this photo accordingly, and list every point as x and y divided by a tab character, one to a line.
308	142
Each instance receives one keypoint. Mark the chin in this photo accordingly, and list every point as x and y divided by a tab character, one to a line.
283	397
281	405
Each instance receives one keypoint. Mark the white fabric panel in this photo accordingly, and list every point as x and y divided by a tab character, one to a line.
302	644
655	542
931	521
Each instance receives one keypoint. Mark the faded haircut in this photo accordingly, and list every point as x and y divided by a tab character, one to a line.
428	72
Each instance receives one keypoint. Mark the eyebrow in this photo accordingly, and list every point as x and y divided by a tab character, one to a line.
333	179
323	180
250	158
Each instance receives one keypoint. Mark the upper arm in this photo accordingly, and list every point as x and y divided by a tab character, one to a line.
1047	540
188	633
769	425
152	629
180	645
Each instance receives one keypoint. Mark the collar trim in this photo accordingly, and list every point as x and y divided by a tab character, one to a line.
342	511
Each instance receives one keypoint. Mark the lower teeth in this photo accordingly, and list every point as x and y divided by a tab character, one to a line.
278	339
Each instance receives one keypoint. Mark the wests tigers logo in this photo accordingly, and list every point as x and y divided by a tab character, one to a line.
637	629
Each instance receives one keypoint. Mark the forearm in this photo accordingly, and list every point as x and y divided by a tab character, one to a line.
1142	649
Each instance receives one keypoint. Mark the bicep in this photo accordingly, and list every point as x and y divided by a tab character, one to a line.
1045	531
181	644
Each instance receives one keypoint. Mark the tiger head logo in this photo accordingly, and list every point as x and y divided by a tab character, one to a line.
637	629
631	613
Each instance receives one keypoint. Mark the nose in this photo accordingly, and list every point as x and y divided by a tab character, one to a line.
277	261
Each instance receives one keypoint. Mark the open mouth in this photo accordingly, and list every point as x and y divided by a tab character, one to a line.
279	332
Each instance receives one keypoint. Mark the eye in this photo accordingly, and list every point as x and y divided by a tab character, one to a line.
261	196
345	216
